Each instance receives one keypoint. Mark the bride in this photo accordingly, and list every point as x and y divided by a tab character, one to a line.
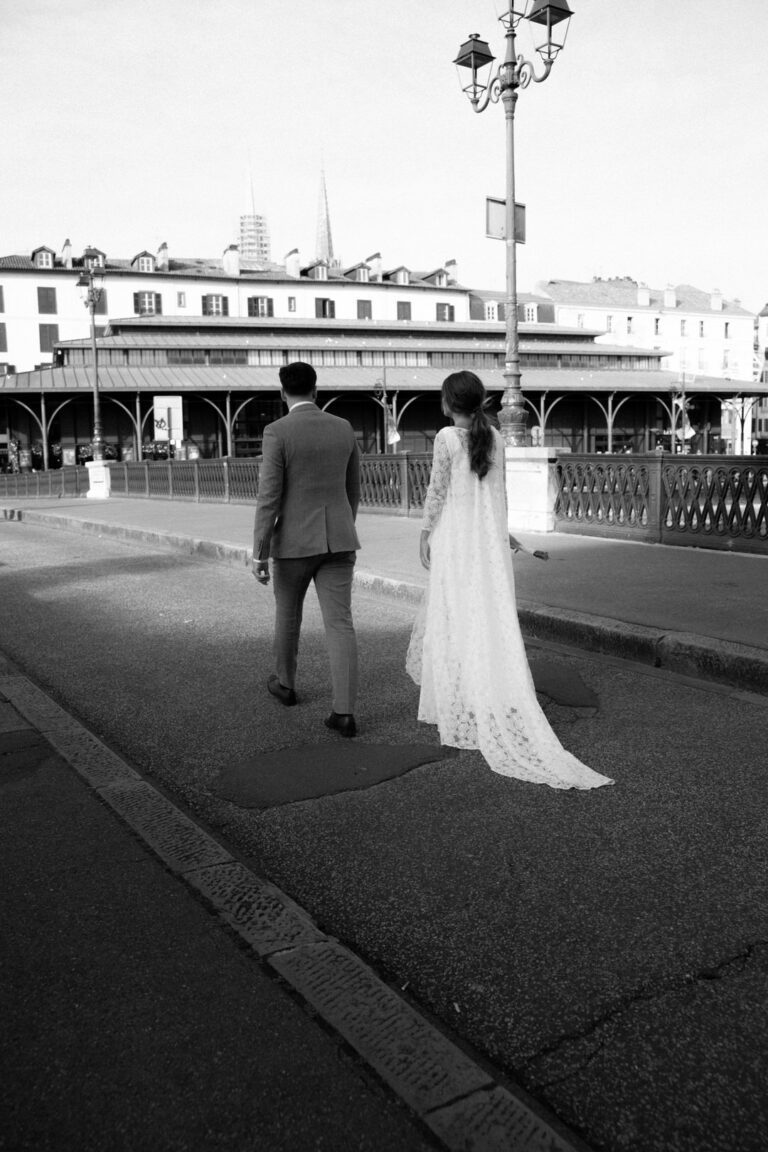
466	649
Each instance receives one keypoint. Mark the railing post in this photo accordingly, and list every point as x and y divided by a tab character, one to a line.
196	474
170	479
655	497
146	478
405	486
226	481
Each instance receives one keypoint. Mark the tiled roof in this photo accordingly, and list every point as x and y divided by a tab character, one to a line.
469	343
623	293
334	379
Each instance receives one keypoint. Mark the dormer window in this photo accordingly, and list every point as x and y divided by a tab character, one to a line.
144	262
491	310
362	275
43	258
320	272
402	276
441	280
93	258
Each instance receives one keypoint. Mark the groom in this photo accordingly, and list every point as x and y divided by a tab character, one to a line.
309	491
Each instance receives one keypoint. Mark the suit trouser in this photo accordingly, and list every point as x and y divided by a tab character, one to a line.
332	573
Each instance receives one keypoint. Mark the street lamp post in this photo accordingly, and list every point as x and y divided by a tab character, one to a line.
513	73
91	285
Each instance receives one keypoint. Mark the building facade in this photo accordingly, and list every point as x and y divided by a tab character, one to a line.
703	336
41	304
214	333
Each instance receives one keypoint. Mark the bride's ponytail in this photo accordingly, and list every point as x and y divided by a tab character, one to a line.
480	442
464	392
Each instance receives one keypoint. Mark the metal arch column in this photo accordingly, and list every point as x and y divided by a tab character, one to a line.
44	422
32	413
126	410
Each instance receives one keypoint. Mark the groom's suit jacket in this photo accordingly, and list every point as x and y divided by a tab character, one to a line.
309	486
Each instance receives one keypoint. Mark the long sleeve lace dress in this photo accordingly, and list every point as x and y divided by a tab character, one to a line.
466	650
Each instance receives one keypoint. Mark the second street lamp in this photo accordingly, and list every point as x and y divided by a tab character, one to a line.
550	19
91	285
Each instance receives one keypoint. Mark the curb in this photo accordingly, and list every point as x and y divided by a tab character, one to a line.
459	1100
706	658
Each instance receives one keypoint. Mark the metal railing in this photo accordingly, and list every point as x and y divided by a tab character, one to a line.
388	483
701	501
56	482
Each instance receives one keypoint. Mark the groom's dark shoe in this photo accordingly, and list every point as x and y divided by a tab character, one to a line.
343	723
285	695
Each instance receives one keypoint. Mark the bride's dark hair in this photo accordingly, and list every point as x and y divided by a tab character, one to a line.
464	392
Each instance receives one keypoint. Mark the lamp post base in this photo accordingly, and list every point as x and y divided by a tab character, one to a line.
530	490
98	480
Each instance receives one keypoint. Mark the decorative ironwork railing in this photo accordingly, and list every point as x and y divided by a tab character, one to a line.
615	494
722	500
390	483
57	482
704	501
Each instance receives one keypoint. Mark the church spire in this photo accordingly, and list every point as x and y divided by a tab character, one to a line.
324	238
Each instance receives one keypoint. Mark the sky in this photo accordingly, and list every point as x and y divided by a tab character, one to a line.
126	123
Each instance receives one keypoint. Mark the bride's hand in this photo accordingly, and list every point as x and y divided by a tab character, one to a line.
424	550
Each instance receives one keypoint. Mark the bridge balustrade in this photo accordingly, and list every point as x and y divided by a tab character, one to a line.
702	501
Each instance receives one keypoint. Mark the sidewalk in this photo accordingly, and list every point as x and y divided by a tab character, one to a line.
694	611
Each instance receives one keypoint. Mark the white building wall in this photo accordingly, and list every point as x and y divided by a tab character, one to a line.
182	297
723	350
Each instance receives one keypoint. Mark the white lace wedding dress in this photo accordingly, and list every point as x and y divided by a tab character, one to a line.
466	649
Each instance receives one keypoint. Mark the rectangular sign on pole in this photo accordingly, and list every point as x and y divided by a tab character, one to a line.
496	220
169	419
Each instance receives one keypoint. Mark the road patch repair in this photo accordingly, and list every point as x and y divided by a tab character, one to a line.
459	1099
290	775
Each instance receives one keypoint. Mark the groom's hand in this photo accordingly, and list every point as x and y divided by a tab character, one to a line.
260	569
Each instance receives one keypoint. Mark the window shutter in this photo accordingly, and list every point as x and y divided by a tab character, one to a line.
252	306
270	306
3	339
205	305
136	304
158	304
225	305
46	300
101	303
318	307
2	305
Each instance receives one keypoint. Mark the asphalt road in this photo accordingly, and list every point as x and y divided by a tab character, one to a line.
608	949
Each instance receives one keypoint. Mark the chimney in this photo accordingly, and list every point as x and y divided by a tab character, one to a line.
377	271
643	296
670	297
293	263
231	260
66	254
161	261
452	269
716	300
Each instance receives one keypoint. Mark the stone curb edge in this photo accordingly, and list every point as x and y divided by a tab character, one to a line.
454	1096
722	661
